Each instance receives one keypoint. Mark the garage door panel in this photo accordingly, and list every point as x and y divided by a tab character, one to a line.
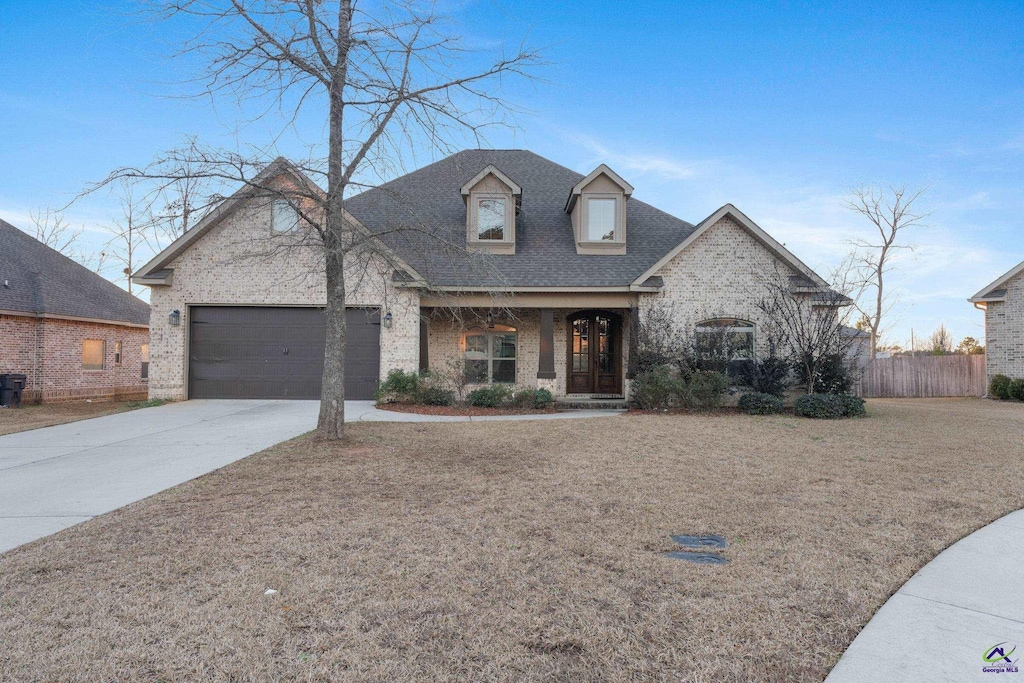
263	352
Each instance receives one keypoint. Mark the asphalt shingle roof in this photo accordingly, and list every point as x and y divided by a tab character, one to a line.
37	279
545	250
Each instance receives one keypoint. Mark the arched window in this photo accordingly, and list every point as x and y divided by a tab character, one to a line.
724	344
491	354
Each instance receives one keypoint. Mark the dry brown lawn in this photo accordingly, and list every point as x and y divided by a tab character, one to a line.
49	414
517	551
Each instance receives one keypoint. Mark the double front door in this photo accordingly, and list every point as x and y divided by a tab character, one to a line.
594	353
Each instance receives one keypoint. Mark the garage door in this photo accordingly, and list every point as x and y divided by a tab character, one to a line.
260	352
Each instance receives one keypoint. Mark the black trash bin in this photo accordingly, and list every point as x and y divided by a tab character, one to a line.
11	386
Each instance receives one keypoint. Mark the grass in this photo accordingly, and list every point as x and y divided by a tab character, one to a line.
34	416
517	551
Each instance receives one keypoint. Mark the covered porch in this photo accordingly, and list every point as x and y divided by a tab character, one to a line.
577	349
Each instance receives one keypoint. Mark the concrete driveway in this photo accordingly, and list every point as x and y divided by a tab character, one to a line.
56	477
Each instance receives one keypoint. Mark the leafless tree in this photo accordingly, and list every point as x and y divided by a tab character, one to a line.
807	328
891	212
52	229
390	79
133	230
941	341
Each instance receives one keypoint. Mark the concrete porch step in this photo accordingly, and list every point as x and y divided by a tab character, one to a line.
591	402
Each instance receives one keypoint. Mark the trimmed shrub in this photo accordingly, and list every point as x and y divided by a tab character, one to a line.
655	389
833	375
701	389
829	406
767	376
665	387
399	387
494	396
1017	390
759	403
999	387
532	398
853	406
436	396
819	406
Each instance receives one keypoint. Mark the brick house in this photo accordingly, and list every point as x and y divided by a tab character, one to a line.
74	334
1003	303
558	263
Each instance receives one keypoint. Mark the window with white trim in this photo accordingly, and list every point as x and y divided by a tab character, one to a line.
602	219
725	344
490	355
284	217
491	214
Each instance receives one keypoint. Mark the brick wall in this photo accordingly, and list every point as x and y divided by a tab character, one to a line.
715	276
49	352
241	262
1004	332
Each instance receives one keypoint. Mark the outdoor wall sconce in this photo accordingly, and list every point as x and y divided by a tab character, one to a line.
386	322
490	321
174	318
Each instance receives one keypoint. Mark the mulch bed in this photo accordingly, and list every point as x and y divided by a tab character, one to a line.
461	411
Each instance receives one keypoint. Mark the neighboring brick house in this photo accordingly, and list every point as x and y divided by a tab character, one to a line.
559	262
1003	303
74	334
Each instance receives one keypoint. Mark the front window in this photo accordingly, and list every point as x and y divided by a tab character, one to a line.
491	355
93	352
144	352
601	219
284	217
117	353
490	216
724	345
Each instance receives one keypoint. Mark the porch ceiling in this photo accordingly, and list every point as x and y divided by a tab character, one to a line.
533	300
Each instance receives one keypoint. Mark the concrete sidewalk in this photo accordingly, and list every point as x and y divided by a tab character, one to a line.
56	477
943	622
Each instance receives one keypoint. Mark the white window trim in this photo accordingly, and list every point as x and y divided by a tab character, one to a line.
489	335
508	230
617	237
746	327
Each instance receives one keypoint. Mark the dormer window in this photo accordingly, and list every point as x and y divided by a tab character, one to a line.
492	200
601	218
490	218
597	205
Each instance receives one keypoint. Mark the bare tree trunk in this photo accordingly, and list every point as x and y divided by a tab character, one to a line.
331	424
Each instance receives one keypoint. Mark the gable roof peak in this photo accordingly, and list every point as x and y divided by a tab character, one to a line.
996	290
604	170
493	170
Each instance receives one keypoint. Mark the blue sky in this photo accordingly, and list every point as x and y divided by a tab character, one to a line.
779	108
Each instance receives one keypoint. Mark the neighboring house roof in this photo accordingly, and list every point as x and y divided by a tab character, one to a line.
421	218
37	280
996	290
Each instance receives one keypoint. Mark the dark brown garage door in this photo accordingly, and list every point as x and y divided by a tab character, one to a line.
259	352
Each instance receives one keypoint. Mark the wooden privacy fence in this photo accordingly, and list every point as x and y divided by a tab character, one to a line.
924	377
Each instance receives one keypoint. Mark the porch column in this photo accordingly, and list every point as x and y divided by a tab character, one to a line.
424	346
546	366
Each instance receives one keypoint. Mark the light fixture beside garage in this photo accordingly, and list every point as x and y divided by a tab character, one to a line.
386	320
174	318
